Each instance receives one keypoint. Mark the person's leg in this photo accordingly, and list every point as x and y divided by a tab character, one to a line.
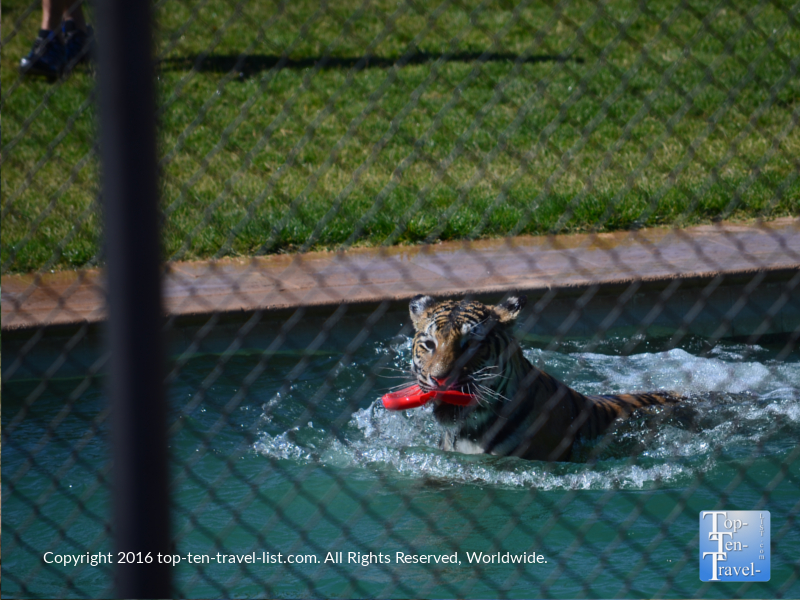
73	11
48	55
78	36
64	40
52	11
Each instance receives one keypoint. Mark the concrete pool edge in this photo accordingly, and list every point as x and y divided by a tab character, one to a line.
533	265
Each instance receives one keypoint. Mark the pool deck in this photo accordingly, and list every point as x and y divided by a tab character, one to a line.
526	264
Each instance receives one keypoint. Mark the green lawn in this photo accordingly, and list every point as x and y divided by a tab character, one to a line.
429	121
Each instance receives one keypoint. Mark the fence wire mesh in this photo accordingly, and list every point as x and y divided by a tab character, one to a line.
632	167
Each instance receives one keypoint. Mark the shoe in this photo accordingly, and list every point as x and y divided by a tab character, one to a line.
79	44
47	56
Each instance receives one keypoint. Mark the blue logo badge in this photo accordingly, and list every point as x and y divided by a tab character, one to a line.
734	545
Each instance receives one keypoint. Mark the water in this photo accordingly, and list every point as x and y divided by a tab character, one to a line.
302	459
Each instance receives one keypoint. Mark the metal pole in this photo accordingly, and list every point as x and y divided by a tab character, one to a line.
130	192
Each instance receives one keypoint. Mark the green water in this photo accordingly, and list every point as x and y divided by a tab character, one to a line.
291	452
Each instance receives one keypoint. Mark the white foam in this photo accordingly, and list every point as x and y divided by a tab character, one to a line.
750	401
281	447
675	370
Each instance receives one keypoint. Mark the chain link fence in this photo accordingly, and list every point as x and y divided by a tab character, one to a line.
632	167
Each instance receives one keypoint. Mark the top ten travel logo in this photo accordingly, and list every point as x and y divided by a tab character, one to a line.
734	545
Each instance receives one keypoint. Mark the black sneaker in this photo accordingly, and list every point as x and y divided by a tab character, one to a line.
79	44
47	57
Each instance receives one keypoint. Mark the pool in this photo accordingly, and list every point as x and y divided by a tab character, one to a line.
280	445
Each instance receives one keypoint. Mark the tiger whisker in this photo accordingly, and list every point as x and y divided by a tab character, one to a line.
478	395
484	396
491	392
482	369
401	385
487	377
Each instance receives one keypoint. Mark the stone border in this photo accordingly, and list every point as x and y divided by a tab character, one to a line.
526	263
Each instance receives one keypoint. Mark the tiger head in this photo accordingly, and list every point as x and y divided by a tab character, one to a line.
463	345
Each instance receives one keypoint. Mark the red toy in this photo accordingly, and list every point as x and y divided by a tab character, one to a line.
413	397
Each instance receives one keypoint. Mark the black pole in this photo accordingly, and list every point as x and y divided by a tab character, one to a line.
130	192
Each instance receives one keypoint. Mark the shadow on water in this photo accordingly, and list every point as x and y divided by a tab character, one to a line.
248	65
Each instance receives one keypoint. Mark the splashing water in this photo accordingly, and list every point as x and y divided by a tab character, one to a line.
740	404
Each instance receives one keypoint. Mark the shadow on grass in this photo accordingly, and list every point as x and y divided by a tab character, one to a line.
248	65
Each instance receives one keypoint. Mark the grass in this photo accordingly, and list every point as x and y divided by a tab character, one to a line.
296	126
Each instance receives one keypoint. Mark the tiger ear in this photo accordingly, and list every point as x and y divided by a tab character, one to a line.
509	310
417	307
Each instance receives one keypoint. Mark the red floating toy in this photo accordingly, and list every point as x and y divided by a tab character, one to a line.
413	397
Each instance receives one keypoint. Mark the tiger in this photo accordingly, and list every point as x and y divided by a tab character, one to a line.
522	411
